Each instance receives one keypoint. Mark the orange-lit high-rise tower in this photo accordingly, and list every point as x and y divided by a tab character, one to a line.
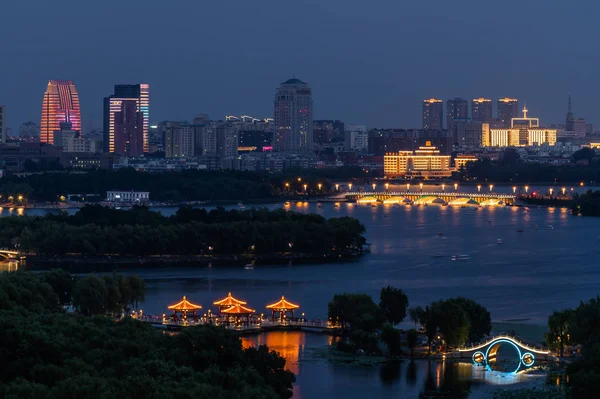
61	104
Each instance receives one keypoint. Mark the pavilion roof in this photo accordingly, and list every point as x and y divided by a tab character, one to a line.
184	305
229	301
283	305
238	309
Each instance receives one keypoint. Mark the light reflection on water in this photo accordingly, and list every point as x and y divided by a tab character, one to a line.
317	377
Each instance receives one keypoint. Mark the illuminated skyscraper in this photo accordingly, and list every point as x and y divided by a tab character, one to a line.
481	109
508	108
61	104
127	132
433	114
293	116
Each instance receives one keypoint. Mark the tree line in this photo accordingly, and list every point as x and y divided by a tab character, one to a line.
510	168
100	231
50	353
459	320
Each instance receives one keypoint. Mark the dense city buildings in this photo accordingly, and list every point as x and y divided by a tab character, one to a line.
456	109
433	114
467	134
327	131
3	123
508	108
425	162
570	119
60	104
70	140
227	140
29	129
293	117
481	109
356	138
524	131
179	140
127	120
383	141
255	140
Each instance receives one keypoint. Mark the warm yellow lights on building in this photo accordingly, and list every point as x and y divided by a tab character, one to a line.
425	162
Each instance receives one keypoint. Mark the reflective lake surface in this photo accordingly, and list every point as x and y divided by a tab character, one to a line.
317	378
547	260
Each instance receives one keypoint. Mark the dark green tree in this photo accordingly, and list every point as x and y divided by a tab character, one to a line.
89	295
416	314
411	340
393	302
559	326
391	337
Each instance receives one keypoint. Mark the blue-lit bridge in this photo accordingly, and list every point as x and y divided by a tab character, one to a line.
485	354
425	198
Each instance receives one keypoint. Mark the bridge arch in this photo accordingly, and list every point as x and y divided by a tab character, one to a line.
463	201
428	199
486	353
369	199
396	200
492	202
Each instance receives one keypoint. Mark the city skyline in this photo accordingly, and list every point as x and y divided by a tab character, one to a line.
387	87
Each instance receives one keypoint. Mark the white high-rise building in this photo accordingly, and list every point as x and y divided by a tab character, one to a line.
356	137
293	114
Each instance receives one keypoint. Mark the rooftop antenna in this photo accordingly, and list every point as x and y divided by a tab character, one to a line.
569	102
525	110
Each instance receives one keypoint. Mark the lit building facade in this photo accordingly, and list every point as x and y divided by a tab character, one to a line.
461	160
293	117
426	162
179	141
481	109
433	114
524	131
60	104
128	131
508	108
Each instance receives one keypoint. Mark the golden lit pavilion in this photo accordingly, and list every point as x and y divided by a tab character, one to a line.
228	302
283	307
184	306
236	311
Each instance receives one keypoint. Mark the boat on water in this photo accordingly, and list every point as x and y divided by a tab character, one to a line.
499	241
241	205
336	205
441	233
319	205
249	266
453	257
520	231
287	203
461	257
549	227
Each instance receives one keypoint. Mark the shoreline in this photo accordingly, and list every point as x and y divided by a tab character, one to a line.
79	262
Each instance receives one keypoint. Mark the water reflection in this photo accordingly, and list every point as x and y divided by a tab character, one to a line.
289	344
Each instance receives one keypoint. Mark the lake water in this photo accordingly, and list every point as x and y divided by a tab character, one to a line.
547	261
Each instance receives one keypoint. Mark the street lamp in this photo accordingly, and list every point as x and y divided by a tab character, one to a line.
350	186
20	198
373	185
421	186
551	190
387	186
479	188
514	189
337	187
491	187
443	187
407	187
287	185
305	186
319	185
526	189
564	190
455	186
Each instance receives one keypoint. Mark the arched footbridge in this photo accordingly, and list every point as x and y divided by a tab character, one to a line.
485	354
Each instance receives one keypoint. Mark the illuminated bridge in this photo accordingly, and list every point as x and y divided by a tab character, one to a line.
424	198
8	254
485	354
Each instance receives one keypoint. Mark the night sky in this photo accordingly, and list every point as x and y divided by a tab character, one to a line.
368	62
